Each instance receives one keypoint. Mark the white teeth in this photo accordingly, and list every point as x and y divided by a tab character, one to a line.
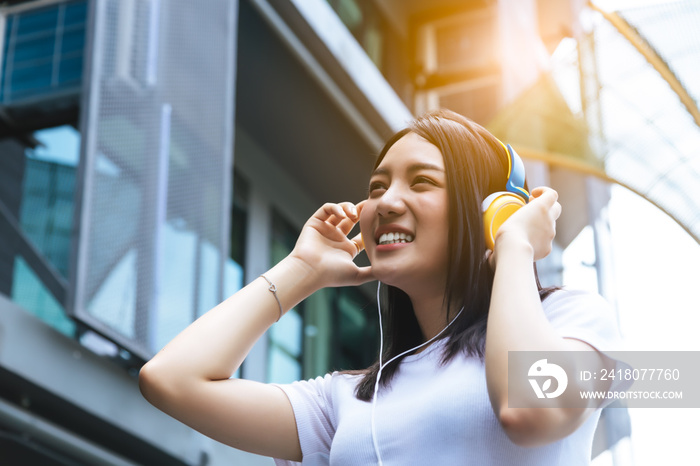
395	237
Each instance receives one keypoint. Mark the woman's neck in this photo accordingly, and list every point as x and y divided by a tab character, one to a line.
431	314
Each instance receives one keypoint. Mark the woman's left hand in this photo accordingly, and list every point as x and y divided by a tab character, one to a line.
533	225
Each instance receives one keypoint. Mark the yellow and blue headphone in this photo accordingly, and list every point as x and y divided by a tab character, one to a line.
497	207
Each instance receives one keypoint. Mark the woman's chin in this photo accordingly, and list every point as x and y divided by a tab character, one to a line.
392	276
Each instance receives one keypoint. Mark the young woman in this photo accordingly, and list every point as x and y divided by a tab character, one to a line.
445	402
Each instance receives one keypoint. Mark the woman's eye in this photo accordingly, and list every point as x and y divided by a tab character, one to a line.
423	179
376	186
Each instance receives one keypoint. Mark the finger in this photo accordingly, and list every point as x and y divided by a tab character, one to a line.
350	219
536	192
347	224
544	194
353	246
350	209
344	217
358	242
326	229
556	211
359	206
338	215
327	218
326	211
541	190
347	210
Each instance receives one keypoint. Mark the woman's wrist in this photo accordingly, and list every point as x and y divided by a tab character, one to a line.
293	281
511	246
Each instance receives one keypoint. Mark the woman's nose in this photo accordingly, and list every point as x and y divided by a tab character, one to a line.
392	201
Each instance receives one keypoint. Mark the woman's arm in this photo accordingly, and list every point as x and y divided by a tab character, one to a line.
189	378
517	322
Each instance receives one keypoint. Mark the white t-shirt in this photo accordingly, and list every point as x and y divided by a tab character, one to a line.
440	414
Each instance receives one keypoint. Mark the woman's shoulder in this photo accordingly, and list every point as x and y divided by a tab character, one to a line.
323	394
583	315
332	382
572	298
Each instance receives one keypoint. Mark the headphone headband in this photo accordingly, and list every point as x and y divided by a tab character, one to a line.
516	173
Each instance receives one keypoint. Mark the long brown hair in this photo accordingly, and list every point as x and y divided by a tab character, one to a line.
475	166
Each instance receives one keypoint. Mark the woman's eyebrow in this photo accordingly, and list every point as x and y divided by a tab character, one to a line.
411	169
424	166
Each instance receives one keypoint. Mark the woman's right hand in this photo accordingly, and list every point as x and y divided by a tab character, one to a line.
324	248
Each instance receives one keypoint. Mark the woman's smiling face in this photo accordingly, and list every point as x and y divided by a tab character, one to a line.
404	221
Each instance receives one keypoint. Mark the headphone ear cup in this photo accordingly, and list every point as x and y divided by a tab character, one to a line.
497	207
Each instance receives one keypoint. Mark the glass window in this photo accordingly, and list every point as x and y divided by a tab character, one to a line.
43	52
285	347
31	294
366	24
45	217
385	46
358	330
234	268
340	331
239	222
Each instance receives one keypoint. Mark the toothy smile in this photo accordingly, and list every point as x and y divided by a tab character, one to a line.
392	238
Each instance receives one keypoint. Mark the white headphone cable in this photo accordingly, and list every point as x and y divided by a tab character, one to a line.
382	366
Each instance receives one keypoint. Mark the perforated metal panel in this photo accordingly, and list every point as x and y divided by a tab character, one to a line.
156	167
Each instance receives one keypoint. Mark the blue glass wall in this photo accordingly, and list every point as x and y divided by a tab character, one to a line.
43	52
46	216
